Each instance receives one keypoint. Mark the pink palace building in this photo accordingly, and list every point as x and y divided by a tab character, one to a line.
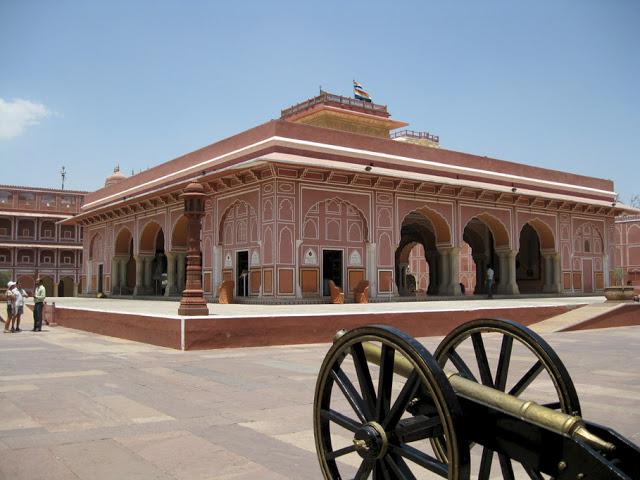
335	190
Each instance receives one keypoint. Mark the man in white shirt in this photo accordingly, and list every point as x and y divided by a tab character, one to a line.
490	274
19	311
11	301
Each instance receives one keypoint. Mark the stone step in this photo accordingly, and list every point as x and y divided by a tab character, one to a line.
575	317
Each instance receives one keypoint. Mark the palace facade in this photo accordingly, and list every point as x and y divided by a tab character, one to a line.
32	242
627	247
333	190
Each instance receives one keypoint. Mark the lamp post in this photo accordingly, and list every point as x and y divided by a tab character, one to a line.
192	301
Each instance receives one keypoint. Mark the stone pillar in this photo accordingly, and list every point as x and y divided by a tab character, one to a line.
55	288
75	289
217	268
192	301
443	271
296	270
115	275
547	270
432	259
124	274
557	273
454	271
171	275
139	288
371	272
481	273
148	274
180	258
507	285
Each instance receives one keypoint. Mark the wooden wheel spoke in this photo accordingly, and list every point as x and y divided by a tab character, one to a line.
503	362
381	472
506	467
485	464
460	364
481	358
350	392
340	452
418	428
399	468
526	380
402	401
341	420
422	459
385	382
533	474
364	379
365	469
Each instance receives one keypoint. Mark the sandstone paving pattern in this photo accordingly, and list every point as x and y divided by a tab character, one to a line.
75	405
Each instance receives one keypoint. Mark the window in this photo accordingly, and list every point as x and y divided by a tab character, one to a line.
66	260
3	259
67	234
26	198
26	232
46	259
48	233
25	259
48	200
587	247
5	197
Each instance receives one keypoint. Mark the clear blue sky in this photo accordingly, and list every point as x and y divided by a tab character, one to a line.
91	84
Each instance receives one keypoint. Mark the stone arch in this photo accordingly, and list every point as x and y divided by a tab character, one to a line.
314	208
149	236
66	287
122	244
179	234
440	226
47	282
500	233
95	246
228	212
545	234
416	228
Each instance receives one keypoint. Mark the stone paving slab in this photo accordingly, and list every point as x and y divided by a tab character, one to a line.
75	405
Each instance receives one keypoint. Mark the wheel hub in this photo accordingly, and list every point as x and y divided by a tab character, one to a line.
371	441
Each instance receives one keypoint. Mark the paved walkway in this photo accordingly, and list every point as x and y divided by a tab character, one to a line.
75	405
170	308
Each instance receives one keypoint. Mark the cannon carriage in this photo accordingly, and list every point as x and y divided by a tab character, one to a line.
493	401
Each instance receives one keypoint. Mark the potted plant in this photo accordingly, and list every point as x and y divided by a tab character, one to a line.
619	292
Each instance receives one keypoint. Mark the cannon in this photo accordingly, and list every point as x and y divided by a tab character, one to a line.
493	401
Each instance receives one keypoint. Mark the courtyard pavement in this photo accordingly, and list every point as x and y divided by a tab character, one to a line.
75	405
170	308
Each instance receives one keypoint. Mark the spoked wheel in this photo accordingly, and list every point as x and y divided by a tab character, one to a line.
512	358
372	420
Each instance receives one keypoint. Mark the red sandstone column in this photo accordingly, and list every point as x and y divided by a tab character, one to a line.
192	301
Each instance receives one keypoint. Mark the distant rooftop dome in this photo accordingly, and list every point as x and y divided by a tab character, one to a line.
114	178
343	113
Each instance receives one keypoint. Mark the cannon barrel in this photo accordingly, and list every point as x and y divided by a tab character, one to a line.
558	422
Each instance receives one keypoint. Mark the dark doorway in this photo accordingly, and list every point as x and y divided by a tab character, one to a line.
242	273
100	270
331	269
61	292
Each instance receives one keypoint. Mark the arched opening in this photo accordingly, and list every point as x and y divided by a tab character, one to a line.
480	239
152	274
65	287
123	270
536	259
418	233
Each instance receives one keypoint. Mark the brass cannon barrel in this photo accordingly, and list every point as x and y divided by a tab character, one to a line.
559	422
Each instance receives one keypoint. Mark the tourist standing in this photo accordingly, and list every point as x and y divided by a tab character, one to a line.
38	298
11	301
490	274
20	295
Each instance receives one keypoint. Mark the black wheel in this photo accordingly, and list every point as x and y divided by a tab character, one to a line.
508	356
373	421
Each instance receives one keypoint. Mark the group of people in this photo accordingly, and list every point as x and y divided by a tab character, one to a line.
16	296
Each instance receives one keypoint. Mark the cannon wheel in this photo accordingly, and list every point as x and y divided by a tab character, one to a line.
544	359
381	438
